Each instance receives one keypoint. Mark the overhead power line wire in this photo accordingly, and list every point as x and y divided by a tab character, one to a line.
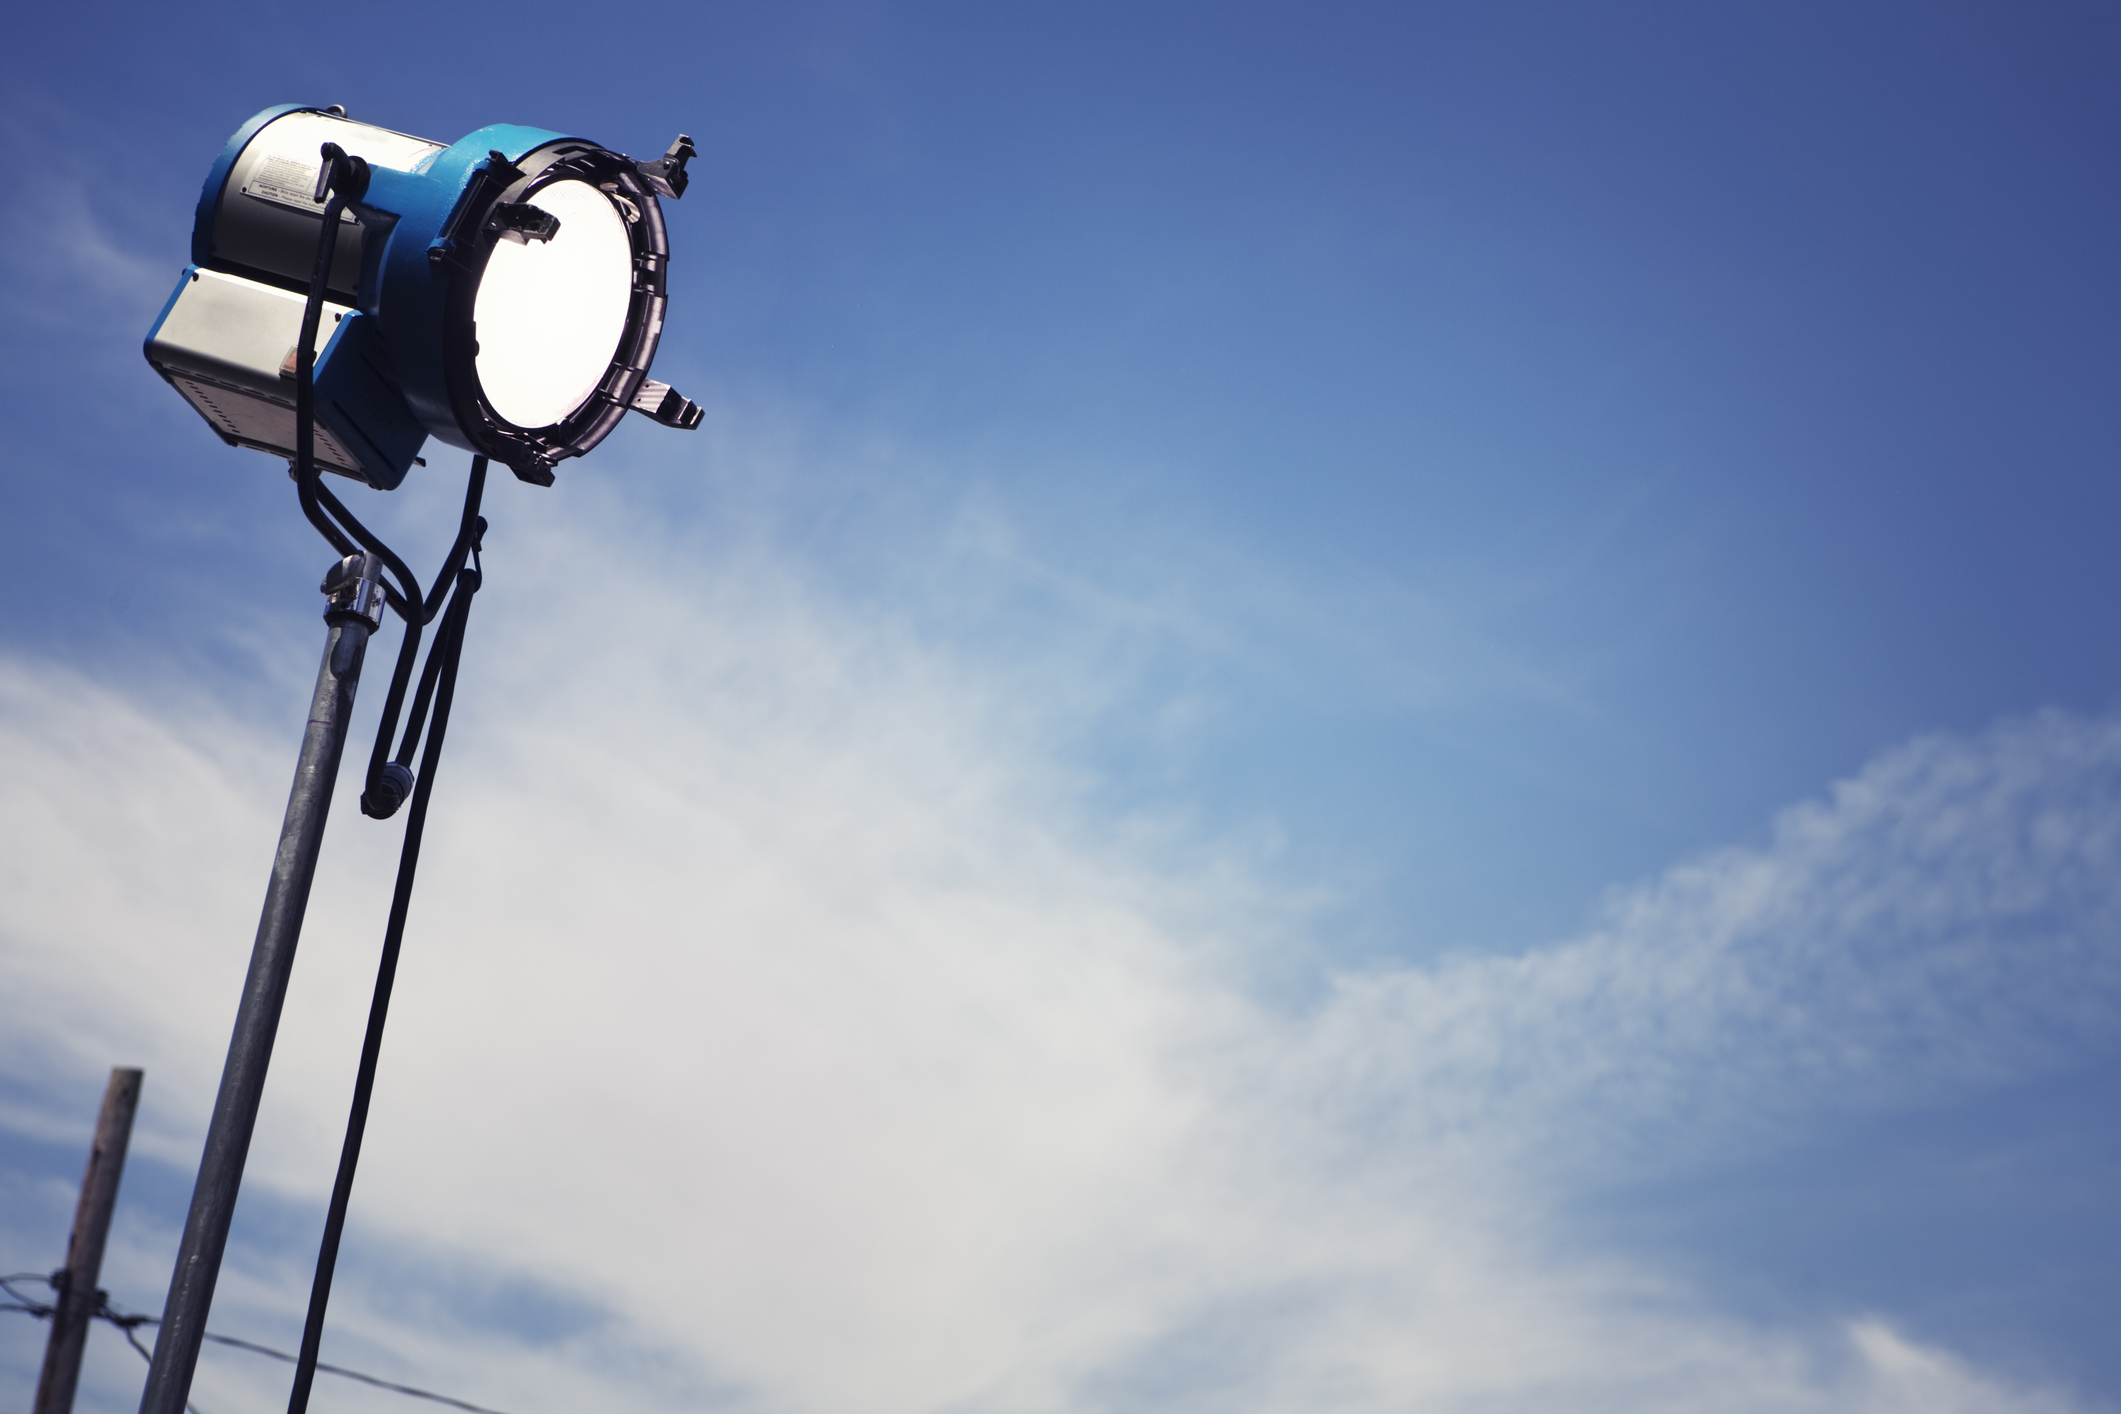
43	1311
342	1371
128	1321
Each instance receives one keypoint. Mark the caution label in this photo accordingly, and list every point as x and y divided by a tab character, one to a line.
286	182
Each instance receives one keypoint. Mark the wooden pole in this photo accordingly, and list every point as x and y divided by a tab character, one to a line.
77	1297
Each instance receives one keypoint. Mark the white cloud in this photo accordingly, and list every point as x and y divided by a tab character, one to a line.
768	991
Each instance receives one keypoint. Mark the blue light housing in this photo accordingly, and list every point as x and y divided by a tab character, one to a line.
504	293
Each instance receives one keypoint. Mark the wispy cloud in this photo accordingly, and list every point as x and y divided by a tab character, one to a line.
772	993
1951	916
73	261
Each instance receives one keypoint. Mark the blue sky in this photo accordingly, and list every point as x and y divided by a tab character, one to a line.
1346	707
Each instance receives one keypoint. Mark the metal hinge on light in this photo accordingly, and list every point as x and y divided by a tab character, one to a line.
667	173
666	405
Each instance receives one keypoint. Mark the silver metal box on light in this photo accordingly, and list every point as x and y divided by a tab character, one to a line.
227	344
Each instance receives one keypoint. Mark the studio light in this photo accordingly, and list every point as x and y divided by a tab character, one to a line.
503	294
353	292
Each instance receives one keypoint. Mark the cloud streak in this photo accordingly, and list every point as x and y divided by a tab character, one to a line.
1947	918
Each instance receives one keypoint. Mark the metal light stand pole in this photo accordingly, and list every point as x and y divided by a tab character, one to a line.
355	611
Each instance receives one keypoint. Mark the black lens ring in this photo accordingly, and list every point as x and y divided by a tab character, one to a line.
532	452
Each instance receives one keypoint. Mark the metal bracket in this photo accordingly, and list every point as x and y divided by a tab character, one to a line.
493	176
355	586
533	469
667	173
521	222
667	405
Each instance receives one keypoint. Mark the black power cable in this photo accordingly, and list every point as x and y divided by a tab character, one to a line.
449	643
390	781
345	180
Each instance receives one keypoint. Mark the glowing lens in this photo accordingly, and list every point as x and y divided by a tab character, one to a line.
550	314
